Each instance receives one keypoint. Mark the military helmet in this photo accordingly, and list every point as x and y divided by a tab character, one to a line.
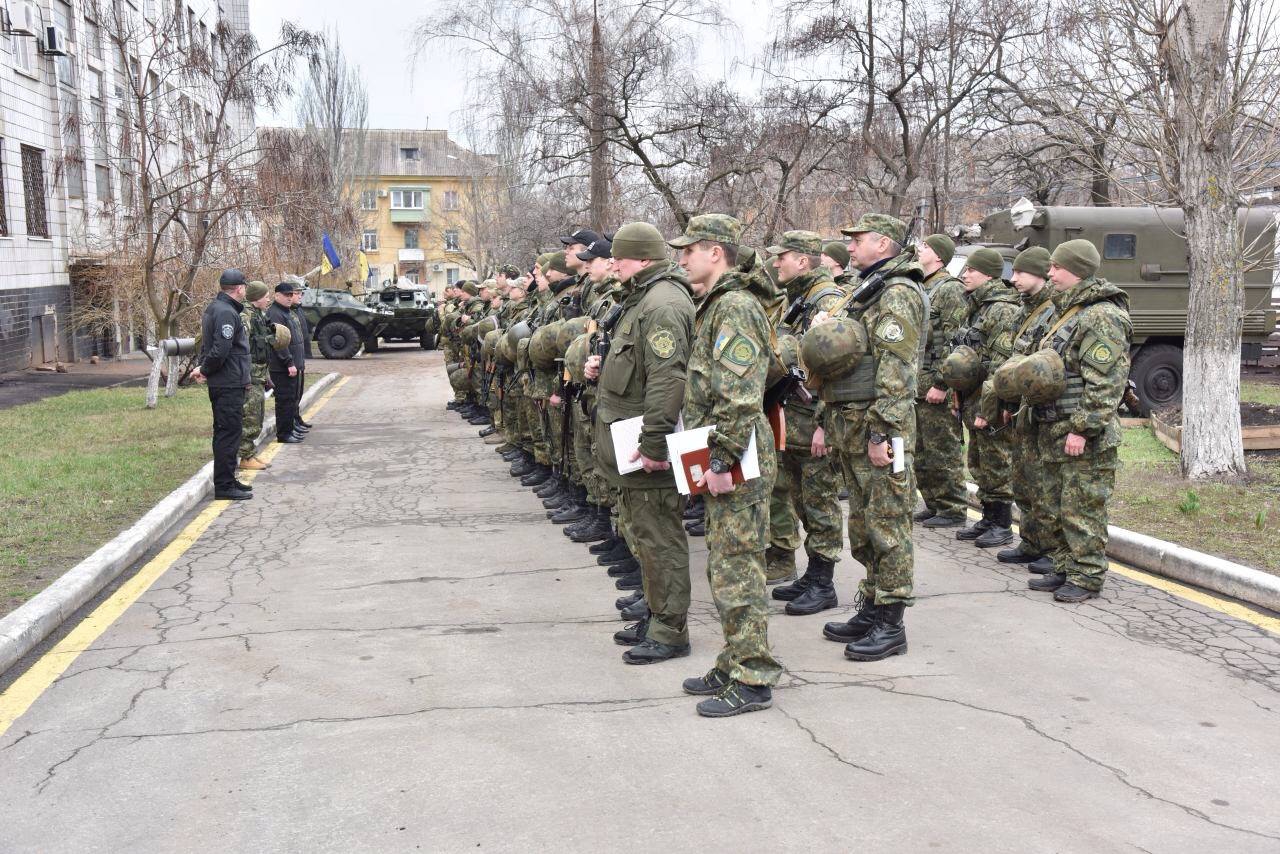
458	377
283	338
489	348
575	358
833	349
789	350
506	350
1002	378
569	330
519	331
962	370
542	347
1038	378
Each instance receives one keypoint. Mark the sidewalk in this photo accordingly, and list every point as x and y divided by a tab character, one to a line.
391	649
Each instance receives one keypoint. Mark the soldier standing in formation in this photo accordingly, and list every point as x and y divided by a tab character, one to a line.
224	365
283	367
262	339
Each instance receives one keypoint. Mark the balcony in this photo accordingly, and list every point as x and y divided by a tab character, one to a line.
411	216
411	255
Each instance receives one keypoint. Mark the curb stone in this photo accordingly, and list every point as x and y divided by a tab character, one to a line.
1187	565
23	629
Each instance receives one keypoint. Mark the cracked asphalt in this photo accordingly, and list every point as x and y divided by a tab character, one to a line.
390	649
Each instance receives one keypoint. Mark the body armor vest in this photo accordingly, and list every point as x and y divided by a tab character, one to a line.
861	384
1069	401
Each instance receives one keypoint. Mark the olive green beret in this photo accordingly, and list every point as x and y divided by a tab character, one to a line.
987	261
837	251
255	291
944	247
639	241
1034	261
1079	256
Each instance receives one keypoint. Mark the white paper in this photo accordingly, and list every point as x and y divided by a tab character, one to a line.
684	441
626	441
899	456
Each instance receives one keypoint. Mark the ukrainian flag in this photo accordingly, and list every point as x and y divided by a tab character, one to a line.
331	260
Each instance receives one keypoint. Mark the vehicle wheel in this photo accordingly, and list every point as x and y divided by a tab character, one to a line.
371	344
338	339
427	341
1157	372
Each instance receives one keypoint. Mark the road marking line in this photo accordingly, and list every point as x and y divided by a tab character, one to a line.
1225	606
28	687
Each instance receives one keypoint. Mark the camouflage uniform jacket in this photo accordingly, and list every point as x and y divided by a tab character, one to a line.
821	293
895	321
262	335
644	373
728	366
948	313
1037	315
1092	335
993	317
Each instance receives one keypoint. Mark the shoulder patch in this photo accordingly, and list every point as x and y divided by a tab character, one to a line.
662	343
723	337
1100	353
890	330
960	315
1003	342
739	354
227	330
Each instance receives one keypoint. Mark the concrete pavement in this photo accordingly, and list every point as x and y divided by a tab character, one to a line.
391	649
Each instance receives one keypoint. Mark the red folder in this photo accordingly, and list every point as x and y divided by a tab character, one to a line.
777	416
697	462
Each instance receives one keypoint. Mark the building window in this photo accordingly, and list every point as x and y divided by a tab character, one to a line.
451	240
409	153
406	200
93	38
4	207
126	190
24	47
451	200
411	238
102	179
451	276
369	200
369	240
33	187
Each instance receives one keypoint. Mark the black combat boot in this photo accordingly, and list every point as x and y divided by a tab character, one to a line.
630	566
619	553
630	599
631	581
650	651
1023	552
1048	582
482	416
637	610
736	698
588	520
708	685
452	405
605	546
1042	565
1073	594
788	592
512	454
821	592
857	626
942	520
523	465
980	527
1001	531
554	493
696	528
488	431
598	528
694	508
922	515
575	509
537	476
632	634
887	637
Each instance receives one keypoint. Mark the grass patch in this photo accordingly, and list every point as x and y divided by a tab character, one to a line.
1239	521
78	468
1264	393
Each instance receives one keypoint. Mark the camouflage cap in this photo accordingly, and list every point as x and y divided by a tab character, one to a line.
804	242
720	228
509	270
543	260
1034	261
491	284
836	251
986	261
890	226
255	291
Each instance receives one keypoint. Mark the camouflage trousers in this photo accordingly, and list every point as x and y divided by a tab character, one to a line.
806	492
880	505
584	454
654	530
255	405
461	390
939	459
737	536
990	458
510	412
537	421
1076	493
1029	486
560	453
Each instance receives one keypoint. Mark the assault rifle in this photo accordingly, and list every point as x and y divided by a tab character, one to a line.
605	339
792	383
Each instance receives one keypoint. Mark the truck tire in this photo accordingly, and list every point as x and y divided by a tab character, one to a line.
371	344
427	341
338	339
1157	372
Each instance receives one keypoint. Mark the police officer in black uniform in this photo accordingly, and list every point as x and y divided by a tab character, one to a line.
285	366
300	425
224	365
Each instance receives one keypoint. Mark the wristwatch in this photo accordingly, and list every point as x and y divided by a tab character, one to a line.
877	438
719	466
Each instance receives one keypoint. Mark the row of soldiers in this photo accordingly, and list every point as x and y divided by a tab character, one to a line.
864	380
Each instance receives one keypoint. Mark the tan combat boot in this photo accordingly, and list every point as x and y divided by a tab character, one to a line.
252	464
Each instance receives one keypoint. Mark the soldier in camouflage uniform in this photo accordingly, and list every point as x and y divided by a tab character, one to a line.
939	458
835	257
262	335
1030	270
808	485
993	317
1079	433
864	412
644	375
536	451
732	346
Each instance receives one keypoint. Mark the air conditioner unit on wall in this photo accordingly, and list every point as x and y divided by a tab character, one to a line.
52	42
14	29
437	268
382	194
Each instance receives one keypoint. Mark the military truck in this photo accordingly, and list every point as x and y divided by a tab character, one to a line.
340	323
414	312
1144	252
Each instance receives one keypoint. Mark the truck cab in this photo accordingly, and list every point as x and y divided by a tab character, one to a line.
1144	252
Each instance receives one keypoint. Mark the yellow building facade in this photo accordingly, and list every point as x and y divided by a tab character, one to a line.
415	207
